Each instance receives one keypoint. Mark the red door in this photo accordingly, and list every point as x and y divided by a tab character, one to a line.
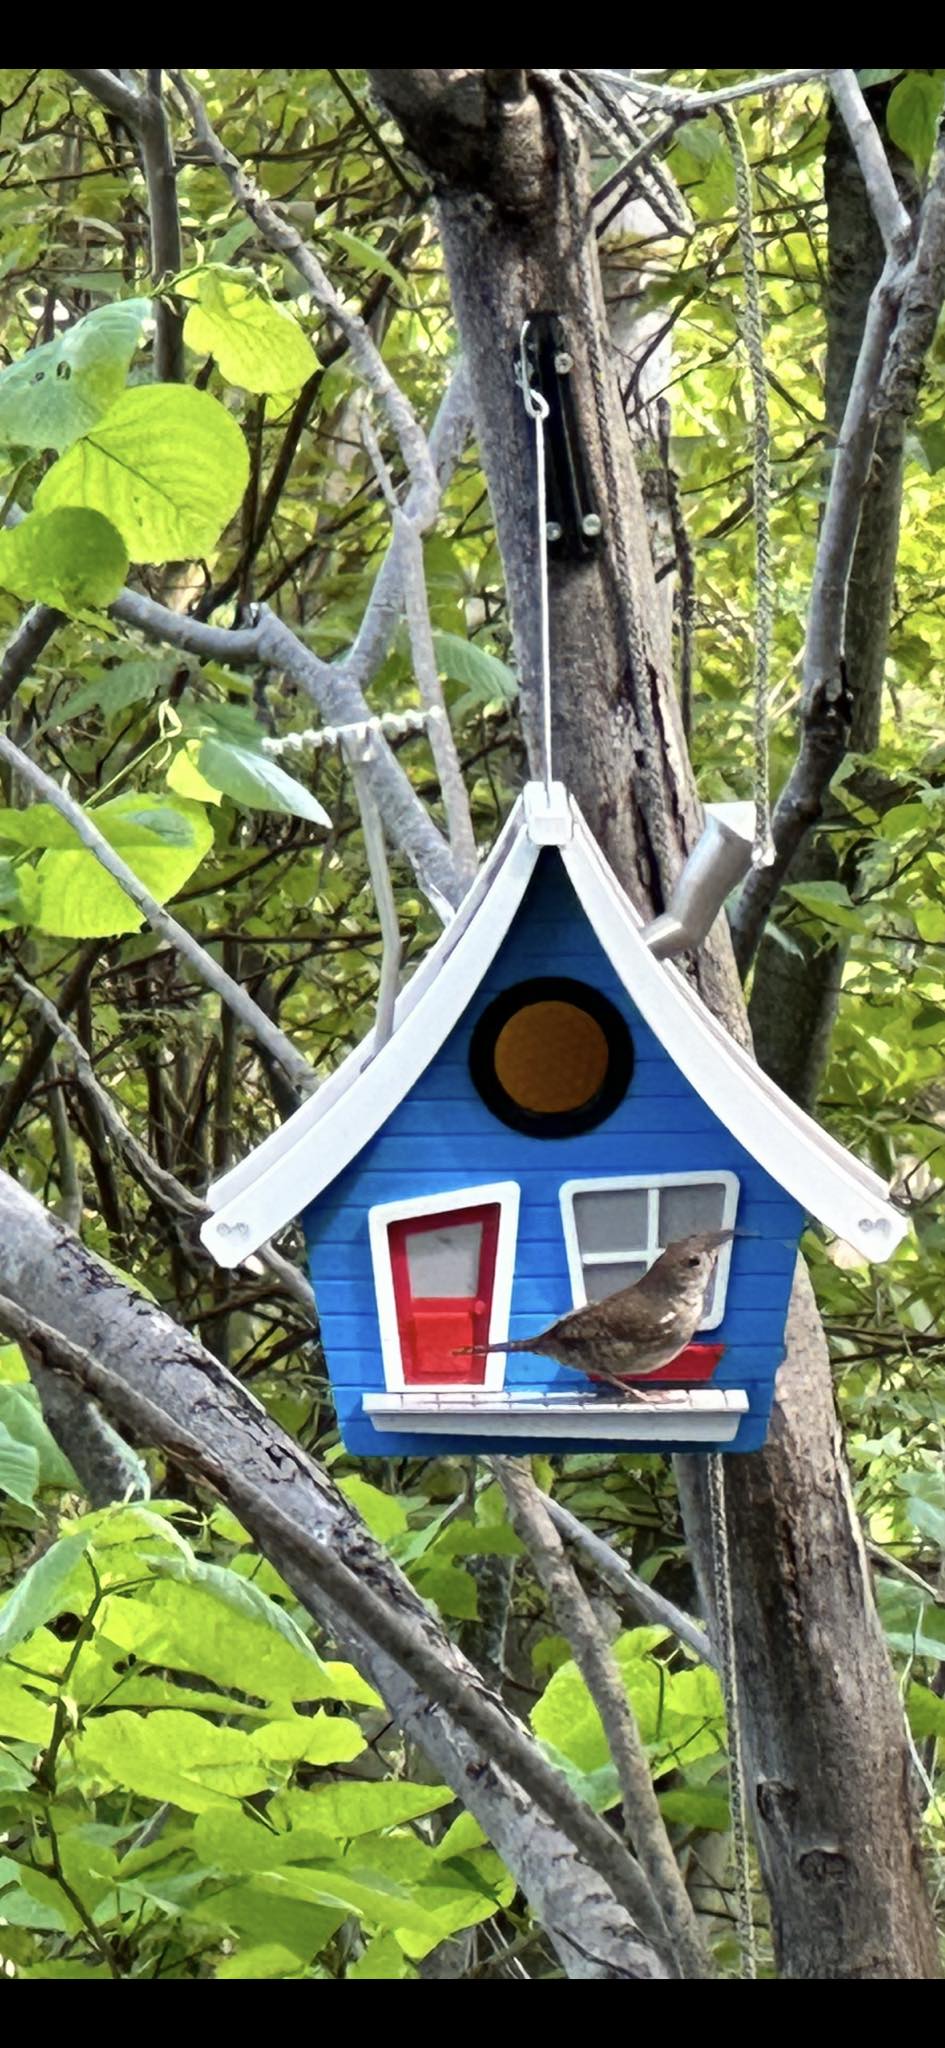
444	1270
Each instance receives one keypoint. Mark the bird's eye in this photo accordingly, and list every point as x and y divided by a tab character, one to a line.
694	1262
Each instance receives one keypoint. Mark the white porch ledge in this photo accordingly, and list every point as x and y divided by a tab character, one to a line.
704	1415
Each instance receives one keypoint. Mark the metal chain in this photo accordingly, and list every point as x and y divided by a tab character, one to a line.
651	745
725	1645
753	336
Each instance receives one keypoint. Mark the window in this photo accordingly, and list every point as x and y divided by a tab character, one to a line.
443	1269
551	1057
615	1229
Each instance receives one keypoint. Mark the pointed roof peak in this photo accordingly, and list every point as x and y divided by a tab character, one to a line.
292	1166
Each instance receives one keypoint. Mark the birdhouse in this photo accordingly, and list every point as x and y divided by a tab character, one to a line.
553	1108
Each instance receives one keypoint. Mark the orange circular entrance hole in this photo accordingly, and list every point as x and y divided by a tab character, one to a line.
551	1058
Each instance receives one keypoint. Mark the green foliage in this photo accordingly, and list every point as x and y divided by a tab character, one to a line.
191	1785
57	392
257	344
166	464
70	558
71	895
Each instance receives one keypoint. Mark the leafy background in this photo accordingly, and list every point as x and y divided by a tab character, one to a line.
158	1818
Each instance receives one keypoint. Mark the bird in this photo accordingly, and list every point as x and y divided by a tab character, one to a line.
640	1328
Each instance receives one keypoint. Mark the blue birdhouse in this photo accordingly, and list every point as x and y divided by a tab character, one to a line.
554	1106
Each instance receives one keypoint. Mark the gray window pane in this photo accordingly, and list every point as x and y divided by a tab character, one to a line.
599	1281
611	1220
685	1210
444	1262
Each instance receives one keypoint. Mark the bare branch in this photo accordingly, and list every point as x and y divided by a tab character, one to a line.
575	1616
825	711
921	304
35	630
669	96
626	1585
161	1185
298	1071
145	115
119	98
891	217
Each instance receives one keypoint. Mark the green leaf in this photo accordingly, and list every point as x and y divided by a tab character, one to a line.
383	1958
262	1911
930	921
175	1756
925	1504
19	1469
913	113
163	841
227	1839
453	1589
926	1713
22	1416
913	1623
204	1618
249	778
57	392
257	344
385	1516
317	1739
69	558
486	678
19	896
115	689
696	1806
38	1595
359	1809
830	902
268	1960
167	465
366	257
23	1717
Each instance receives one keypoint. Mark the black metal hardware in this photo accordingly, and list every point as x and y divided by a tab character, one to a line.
573	525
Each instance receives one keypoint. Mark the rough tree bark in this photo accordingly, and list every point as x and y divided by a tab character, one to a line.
827	1753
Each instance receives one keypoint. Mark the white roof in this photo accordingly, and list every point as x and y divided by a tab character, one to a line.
259	1197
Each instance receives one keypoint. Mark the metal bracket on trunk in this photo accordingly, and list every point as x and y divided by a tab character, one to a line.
573	525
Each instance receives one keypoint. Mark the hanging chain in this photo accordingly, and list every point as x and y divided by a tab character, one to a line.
725	1643
753	336
537	409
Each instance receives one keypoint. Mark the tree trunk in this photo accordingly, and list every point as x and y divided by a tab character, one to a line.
829	1761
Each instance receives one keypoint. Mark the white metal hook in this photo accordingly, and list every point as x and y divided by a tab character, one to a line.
536	405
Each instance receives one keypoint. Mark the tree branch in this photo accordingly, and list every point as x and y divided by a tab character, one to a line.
34	632
298	1071
162	1185
625	1584
145	115
575	1616
890	215
156	1379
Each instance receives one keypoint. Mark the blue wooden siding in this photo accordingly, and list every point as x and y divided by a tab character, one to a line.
442	1137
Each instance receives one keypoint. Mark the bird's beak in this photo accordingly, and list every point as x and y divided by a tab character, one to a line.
716	1238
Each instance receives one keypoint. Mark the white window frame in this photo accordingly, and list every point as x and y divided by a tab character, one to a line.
652	1183
508	1196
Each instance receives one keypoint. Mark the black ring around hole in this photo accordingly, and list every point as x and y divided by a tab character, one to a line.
566	1123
